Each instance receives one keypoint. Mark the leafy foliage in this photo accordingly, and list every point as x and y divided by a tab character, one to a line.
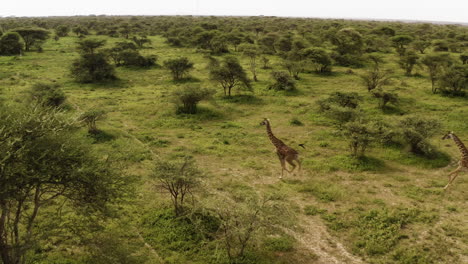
187	98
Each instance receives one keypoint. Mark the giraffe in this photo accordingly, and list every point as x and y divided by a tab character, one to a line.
463	163
284	152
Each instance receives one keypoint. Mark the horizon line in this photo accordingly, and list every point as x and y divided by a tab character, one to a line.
281	16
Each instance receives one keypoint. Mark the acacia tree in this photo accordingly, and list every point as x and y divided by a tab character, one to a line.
454	80
320	58
401	43
32	36
408	61
141	41
179	67
179	179
421	45
188	97
240	224
251	51
230	74
375	78
11	44
41	165
348	41
92	66
435	63
62	30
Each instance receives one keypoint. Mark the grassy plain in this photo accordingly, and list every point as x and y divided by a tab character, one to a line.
389	208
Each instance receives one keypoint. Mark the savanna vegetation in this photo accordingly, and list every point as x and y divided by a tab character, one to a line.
137	140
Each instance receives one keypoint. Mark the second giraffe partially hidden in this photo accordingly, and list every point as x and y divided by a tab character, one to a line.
285	153
463	163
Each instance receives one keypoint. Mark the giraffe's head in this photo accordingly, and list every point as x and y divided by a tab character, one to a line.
265	122
449	135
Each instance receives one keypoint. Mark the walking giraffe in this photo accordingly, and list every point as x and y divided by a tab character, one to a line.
463	163
284	152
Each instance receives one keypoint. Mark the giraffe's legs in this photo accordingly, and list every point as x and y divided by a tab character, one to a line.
452	178
283	164
292	164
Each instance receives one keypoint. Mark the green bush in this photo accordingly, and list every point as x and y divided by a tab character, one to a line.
283	81
47	94
179	67
11	44
281	244
187	98
92	68
416	131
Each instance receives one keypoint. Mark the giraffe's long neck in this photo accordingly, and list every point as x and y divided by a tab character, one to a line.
461	146
277	142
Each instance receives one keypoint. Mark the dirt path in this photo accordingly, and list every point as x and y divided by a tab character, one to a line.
315	238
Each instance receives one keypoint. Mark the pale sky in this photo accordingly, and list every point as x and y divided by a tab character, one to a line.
433	10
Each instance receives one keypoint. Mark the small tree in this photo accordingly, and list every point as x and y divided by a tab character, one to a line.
80	31
32	36
230	74
240	223
179	67
251	51
375	78
464	58
359	135
269	42
435	63
283	81
401	43
265	62
90	118
188	97
416	131
341	107
178	178
320	58
11	44
45	168
47	94
454	80
421	45
92	68
349	100
385	97
90	45
407	61
62	30
140	41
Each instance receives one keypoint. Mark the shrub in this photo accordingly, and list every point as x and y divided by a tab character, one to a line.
133	58
407	61
47	94
229	74
454	81
179	67
283	81
349	100
178	178
126	54
187	98
90	118
385	97
320	58
416	131
359	136
375	78
92	68
11	44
